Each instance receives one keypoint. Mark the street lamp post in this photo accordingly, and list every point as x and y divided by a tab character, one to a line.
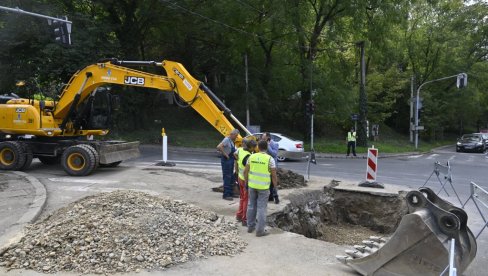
462	81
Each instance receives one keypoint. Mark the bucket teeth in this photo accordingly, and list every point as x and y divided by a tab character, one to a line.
343	259
360	248
371	244
377	239
355	254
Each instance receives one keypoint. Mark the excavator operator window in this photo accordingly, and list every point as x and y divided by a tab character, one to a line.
100	110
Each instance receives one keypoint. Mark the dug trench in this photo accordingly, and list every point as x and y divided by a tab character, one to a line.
340	214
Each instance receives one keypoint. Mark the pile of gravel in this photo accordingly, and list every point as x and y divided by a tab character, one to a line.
122	231
288	179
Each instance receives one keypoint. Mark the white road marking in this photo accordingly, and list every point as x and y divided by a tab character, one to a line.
432	156
84	180
327	165
416	156
452	158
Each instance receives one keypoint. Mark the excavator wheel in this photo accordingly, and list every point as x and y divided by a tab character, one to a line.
49	160
78	160
95	153
28	156
12	156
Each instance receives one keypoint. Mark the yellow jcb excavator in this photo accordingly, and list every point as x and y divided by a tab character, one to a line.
57	131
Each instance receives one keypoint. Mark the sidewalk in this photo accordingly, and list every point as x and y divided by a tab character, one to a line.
22	198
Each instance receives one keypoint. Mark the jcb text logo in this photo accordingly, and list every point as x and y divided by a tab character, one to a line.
134	80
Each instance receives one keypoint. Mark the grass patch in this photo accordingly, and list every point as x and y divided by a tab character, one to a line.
176	137
207	137
389	146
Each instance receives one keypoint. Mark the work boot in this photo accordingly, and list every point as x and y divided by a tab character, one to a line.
265	233
277	200
244	223
250	229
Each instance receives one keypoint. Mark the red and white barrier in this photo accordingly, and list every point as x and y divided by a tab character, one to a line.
372	166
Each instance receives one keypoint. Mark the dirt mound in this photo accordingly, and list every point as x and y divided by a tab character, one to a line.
122	231
288	179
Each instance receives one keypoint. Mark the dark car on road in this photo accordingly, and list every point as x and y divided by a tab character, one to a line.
471	142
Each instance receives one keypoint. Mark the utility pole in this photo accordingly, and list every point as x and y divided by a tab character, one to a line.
311	104
248	123
410	122
363	101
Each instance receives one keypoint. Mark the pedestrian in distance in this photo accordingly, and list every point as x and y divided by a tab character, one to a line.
273	148
242	156
227	149
351	142
259	174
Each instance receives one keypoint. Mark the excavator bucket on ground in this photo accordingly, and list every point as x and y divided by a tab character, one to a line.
420	245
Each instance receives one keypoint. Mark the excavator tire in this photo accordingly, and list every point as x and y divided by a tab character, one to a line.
28	156
49	160
95	153
12	156
78	160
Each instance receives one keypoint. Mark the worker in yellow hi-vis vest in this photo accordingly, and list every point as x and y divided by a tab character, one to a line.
259	174
351	142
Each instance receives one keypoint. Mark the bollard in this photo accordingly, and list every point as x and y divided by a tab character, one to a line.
371	169
164	143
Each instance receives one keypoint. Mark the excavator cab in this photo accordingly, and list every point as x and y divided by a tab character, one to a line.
96	111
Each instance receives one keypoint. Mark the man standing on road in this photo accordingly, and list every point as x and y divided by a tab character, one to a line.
227	149
242	156
259	174
351	142
273	148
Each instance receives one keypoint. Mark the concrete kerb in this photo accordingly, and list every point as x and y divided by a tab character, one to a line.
15	232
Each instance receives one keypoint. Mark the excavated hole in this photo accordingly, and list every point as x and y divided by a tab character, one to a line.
340	216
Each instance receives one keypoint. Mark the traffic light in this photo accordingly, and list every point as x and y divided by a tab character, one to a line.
462	80
307	109
62	32
310	108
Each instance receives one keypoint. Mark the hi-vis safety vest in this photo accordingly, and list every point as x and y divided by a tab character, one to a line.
351	136
241	154
259	175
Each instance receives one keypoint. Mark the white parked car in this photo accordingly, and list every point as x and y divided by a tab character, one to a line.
289	148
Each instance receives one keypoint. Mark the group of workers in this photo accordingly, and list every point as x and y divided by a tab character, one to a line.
255	171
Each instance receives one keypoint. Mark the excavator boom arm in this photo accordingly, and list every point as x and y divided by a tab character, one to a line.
193	92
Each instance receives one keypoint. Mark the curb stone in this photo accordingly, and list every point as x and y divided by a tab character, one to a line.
15	232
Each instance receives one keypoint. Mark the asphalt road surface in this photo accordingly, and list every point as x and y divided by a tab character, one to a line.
410	171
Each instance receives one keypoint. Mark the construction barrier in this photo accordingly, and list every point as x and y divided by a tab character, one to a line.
371	169
372	166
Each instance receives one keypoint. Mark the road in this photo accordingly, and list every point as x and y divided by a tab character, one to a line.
408	171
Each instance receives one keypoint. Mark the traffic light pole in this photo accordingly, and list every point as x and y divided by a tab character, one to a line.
66	38
18	10
460	76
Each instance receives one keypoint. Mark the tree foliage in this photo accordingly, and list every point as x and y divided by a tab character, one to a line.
298	50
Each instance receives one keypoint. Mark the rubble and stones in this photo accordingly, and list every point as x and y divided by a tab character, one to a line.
122	231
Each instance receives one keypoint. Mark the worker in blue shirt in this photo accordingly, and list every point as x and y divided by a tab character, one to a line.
273	148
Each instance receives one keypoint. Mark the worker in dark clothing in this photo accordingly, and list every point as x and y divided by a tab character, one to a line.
273	148
227	149
351	142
